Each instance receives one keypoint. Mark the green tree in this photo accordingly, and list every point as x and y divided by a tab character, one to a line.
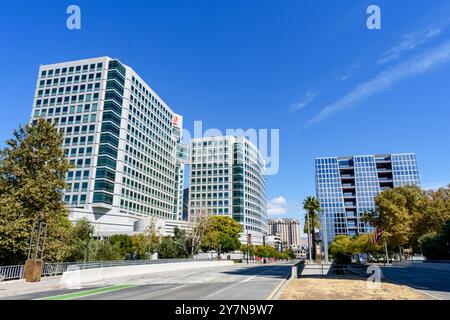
436	246
124	243
140	246
32	178
343	246
222	234
393	216
81	234
312	218
363	244
289	254
167	248
183	242
104	250
251	250
270	252
340	249
446	232
422	219
407	213
434	214
433	246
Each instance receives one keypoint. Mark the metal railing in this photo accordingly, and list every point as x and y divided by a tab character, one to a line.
332	270
11	272
58	268
118	263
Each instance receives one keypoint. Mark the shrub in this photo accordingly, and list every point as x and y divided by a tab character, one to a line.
340	249
433	246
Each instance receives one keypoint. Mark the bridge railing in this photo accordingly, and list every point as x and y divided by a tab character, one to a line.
58	268
11	272
333	269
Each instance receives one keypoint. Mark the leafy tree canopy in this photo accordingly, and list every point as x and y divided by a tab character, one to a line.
407	213
32	177
222	234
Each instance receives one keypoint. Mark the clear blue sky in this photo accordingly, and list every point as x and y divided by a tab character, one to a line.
309	68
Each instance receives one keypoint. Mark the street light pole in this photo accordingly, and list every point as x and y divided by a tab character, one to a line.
248	248
88	248
325	238
309	238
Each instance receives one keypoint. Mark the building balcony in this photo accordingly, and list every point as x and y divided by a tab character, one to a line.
349	195
351	214
348	186
386	185
383	160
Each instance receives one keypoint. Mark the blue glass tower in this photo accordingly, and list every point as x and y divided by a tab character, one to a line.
346	188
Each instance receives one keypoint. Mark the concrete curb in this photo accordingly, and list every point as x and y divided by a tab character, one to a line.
276	293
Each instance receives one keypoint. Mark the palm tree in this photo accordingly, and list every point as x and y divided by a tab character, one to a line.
312	207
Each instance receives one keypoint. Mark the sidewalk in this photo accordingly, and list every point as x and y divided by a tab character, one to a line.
20	287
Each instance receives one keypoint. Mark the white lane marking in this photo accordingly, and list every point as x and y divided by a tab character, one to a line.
237	283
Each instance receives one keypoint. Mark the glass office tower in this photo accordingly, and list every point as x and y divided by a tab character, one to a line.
227	177
346	188
121	138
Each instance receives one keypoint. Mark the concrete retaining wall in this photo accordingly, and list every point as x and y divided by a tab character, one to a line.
315	269
74	278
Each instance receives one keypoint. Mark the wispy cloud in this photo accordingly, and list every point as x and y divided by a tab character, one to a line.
415	66
307	99
277	206
348	73
410	42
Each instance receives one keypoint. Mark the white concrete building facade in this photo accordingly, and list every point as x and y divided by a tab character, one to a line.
122	139
227	177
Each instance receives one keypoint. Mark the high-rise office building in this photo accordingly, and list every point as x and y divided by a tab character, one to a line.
346	188
182	159
227	177
185	215
287	229
123	140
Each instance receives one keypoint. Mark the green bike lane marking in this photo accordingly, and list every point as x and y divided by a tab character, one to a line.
86	293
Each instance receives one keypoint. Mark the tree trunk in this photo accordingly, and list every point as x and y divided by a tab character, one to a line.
313	237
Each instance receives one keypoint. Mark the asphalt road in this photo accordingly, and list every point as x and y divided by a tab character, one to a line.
430	278
238	282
